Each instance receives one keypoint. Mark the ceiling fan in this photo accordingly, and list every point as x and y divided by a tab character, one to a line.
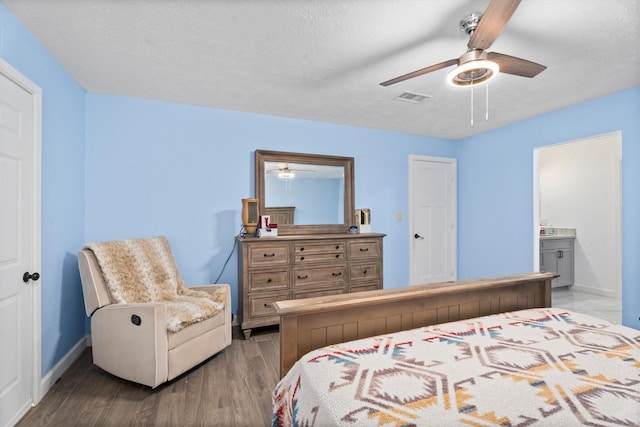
283	171
478	66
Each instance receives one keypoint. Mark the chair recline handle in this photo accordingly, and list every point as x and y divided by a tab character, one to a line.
136	320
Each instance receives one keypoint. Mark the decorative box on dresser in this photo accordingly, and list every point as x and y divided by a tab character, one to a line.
294	267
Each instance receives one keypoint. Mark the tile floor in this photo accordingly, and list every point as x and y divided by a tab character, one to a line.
582	302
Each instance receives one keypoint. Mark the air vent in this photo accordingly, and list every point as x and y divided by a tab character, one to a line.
413	97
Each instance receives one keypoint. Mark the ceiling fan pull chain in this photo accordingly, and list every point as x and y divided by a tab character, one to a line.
471	106
486	107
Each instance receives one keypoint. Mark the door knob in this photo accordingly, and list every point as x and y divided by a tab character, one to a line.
417	236
26	276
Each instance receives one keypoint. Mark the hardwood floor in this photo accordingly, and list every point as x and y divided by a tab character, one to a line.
231	389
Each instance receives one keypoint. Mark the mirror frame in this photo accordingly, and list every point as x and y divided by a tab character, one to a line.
347	163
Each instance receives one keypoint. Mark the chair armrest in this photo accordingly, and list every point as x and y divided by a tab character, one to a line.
228	318
209	287
212	288
130	341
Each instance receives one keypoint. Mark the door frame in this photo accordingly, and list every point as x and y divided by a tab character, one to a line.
36	239
618	206
454	235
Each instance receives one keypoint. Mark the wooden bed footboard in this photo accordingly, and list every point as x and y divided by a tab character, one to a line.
307	324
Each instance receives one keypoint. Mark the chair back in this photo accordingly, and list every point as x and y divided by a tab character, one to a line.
94	287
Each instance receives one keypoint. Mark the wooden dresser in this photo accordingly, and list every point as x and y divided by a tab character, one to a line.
294	267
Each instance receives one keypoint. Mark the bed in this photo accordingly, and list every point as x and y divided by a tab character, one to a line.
538	366
475	352
310	323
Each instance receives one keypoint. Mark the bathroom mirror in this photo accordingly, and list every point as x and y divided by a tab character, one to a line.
305	193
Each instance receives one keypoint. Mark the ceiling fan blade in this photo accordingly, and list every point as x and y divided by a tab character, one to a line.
420	72
516	66
492	22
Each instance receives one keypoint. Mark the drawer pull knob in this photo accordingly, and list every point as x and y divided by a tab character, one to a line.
301	249
268	280
301	258
337	247
267	305
364	249
364	272
269	255
303	277
337	255
336	274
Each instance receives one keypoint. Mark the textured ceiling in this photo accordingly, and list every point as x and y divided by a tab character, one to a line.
324	60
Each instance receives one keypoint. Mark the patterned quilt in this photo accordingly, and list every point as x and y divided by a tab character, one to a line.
546	367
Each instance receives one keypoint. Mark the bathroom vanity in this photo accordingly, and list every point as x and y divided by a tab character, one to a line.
557	254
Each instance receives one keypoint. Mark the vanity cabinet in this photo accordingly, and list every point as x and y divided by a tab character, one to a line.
294	267
556	256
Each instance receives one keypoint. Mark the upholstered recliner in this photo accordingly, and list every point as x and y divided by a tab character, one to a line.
149	342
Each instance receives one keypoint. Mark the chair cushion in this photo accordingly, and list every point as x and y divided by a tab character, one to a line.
176	339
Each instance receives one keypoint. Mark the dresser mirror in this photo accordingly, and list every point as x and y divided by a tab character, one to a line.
305	193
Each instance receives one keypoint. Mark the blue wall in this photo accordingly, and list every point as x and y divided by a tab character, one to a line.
116	167
495	189
63	139
180	171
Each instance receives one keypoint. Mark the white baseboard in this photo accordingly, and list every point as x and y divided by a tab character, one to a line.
56	372
610	293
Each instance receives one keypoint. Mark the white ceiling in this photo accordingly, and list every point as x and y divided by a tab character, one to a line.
324	60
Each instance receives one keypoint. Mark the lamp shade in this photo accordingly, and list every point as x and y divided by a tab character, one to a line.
250	215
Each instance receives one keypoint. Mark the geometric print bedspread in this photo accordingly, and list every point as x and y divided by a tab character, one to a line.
536	367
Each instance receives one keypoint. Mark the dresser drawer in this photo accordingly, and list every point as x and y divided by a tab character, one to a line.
369	271
362	249
302	248
309	258
306	252
265	280
266	255
556	243
263	305
322	275
368	286
321	293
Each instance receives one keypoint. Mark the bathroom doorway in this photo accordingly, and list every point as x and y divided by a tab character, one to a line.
577	184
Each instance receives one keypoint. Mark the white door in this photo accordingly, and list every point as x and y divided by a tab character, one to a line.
432	214
19	243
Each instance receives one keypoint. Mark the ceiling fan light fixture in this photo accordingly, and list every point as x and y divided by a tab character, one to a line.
286	174
473	73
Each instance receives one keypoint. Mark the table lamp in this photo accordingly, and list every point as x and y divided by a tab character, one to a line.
250	215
